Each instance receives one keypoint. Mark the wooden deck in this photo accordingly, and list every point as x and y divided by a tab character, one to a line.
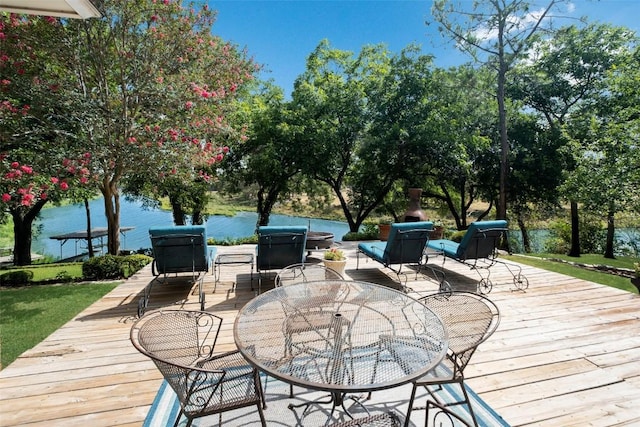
566	353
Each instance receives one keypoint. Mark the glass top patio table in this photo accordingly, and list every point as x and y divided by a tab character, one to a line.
329	335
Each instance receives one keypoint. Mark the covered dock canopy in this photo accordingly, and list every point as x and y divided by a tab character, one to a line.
82	236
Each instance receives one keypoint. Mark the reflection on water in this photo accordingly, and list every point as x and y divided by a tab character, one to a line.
67	219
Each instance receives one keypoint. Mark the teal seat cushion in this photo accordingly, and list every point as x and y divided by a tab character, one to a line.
373	250
447	247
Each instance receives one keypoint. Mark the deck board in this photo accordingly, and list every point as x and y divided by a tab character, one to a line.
566	351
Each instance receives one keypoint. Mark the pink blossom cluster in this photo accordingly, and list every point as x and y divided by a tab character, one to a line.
21	186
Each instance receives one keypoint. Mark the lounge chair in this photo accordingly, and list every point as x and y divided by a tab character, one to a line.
405	245
179	249
279	247
478	249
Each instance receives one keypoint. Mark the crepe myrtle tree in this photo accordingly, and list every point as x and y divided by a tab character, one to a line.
24	191
159	86
40	157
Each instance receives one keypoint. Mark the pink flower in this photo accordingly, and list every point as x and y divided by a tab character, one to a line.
64	186
54	180
26	169
6	197
15	165
189	105
27	199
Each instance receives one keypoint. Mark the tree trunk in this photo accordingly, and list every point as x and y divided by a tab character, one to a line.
575	230
22	232
611	228
502	123
526	242
265	205
177	211
87	210
112	212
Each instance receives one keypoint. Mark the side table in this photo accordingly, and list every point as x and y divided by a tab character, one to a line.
231	259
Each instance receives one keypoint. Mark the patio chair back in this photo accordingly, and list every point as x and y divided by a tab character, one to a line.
280	246
470	319
298	273
180	249
181	345
406	242
481	239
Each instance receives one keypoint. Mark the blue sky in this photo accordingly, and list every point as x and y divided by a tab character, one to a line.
280	34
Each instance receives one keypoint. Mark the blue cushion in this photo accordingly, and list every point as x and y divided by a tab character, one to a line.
448	247
373	250
402	246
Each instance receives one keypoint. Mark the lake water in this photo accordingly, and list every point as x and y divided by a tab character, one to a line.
68	219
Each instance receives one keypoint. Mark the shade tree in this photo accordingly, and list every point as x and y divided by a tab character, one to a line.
158	85
42	158
562	80
495	33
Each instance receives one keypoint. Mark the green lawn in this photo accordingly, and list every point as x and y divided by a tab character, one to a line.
612	280
29	314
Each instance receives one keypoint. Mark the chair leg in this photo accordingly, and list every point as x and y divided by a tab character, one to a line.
468	403
413	396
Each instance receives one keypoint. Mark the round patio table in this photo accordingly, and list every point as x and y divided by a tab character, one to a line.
334	335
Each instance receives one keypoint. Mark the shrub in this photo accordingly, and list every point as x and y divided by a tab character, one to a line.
16	278
113	267
592	237
457	236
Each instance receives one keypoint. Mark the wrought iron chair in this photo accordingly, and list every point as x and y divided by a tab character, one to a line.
443	417
279	247
470	319
388	419
478	251
300	273
406	244
181	344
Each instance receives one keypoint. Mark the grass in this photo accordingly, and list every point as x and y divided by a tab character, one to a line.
602	278
592	259
52	271
30	314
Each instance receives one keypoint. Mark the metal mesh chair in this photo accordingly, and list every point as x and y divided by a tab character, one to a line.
181	345
470	319
299	273
443	416
388	419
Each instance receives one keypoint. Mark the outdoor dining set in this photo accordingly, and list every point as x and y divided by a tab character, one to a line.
314	330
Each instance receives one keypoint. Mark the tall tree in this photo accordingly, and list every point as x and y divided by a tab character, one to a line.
566	76
362	121
41	155
270	157
458	165
495	32
158	86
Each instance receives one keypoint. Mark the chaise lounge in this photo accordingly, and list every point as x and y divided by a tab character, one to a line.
478	250
179	249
